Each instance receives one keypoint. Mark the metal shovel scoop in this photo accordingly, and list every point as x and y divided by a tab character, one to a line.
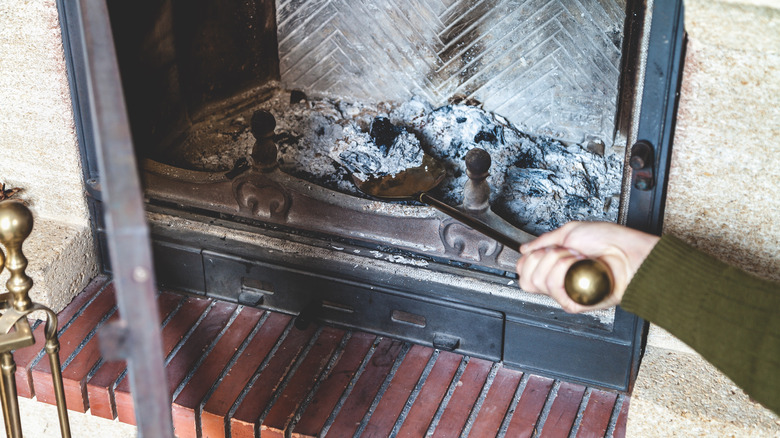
587	282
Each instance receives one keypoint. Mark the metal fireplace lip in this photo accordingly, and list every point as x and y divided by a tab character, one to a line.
606	357
281	199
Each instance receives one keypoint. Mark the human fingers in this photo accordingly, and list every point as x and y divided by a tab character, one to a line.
553	238
526	266
551	269
555	282
544	271
534	272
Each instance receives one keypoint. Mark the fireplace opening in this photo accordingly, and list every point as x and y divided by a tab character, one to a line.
553	91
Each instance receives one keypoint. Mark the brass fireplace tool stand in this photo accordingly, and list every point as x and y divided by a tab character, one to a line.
15	225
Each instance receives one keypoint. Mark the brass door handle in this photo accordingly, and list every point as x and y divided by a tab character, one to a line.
588	281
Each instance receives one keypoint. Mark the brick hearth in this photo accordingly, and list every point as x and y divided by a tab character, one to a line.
241	372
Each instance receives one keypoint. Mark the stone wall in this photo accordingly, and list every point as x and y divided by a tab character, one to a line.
39	151
724	199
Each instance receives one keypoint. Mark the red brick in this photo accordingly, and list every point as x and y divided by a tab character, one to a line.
173	332
463	399
100	387
494	408
74	376
431	395
332	387
529	407
622	420
366	388
595	419
186	405
244	422
70	340
220	402
302	382
25	356
563	411
198	342
396	395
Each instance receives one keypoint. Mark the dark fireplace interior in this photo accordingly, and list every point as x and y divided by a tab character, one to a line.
551	90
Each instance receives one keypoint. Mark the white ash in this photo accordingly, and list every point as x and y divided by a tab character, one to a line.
537	183
358	153
399	259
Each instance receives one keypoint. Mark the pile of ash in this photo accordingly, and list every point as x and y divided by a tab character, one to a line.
538	183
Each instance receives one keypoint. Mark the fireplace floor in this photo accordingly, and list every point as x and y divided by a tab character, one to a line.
312	382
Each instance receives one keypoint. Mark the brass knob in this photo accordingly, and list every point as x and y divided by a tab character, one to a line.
588	282
16	223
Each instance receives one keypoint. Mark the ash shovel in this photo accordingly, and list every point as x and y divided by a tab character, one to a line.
587	281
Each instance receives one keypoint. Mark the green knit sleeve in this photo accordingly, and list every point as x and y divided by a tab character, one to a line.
728	316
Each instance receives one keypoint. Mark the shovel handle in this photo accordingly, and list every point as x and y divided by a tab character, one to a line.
587	281
470	221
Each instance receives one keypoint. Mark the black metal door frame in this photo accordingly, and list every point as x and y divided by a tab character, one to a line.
117	206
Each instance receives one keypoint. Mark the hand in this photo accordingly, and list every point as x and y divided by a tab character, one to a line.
544	263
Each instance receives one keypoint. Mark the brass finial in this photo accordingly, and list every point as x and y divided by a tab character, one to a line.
16	223
588	281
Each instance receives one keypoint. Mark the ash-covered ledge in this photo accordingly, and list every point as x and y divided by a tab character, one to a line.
61	262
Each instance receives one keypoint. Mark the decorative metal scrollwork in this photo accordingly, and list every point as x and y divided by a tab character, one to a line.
261	196
465	243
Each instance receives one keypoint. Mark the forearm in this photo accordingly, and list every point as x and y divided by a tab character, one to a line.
729	317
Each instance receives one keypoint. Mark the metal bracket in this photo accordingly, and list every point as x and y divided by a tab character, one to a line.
642	160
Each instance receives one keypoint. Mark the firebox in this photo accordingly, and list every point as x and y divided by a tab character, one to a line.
574	101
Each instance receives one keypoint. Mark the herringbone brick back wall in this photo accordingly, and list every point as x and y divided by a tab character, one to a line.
549	67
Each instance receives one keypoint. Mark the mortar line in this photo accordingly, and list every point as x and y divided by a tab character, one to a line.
337	354
580	412
256	376
464	362
206	352
414	394
88	337
226	369
551	396
382	389
348	390
513	405
615	414
480	400
72	320
286	379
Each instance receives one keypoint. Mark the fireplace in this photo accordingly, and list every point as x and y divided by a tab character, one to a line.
235	226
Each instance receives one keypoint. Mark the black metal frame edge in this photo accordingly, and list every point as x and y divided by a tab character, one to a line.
73	48
103	131
660	97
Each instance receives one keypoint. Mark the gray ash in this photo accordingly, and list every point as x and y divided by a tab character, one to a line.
386	150
538	183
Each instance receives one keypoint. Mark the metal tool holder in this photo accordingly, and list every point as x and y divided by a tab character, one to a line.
16	223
